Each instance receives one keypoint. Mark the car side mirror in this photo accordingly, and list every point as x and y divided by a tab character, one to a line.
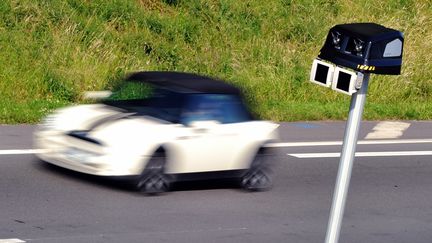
203	126
96	95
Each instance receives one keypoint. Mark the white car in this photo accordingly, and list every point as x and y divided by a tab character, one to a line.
161	127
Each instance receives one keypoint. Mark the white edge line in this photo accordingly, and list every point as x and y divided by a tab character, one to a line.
335	143
272	145
12	240
362	154
21	151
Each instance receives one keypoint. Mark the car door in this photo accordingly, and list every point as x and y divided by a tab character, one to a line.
211	136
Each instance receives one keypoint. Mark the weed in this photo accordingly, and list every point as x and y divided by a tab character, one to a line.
53	51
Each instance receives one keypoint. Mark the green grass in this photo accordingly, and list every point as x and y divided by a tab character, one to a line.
52	51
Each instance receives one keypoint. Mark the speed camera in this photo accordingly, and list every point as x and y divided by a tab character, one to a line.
351	52
364	47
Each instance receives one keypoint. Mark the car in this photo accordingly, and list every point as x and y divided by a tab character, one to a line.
162	127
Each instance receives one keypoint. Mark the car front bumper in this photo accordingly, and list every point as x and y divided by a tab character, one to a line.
62	150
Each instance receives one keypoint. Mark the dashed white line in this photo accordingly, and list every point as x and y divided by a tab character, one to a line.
362	154
388	129
335	143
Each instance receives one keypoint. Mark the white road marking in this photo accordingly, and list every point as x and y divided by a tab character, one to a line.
335	143
11	241
135	234
20	151
388	129
272	145
363	154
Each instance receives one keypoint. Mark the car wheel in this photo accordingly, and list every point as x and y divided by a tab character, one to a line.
153	180
257	178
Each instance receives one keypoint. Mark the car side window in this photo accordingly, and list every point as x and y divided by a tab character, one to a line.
131	91
222	108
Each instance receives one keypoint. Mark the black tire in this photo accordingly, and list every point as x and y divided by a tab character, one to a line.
258	177
153	180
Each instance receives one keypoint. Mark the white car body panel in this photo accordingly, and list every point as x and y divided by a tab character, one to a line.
202	151
79	117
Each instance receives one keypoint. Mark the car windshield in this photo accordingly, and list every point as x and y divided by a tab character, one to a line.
176	107
145	99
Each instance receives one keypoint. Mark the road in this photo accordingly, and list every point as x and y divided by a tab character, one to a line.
390	198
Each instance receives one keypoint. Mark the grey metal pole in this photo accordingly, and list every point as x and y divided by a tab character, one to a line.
346	162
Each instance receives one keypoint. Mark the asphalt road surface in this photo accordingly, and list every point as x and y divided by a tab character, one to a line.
390	197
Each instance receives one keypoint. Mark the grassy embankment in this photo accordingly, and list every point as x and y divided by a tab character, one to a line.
53	50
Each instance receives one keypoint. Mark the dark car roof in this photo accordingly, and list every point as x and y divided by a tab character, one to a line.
184	82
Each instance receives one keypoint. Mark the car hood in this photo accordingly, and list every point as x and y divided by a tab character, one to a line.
81	117
134	131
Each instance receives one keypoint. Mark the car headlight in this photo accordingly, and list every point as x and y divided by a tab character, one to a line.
79	155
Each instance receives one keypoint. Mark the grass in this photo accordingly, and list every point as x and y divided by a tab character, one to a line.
53	51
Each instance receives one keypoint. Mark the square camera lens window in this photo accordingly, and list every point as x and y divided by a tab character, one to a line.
343	82
321	73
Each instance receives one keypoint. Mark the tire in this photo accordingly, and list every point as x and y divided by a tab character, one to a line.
258	177
153	180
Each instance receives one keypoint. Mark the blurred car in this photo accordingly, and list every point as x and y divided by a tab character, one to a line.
162	127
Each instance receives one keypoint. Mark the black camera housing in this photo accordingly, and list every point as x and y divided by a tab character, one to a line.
366	47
